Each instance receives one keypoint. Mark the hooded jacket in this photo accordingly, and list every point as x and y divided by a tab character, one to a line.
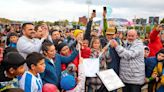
132	66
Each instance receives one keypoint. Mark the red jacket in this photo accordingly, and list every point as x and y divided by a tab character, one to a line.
155	43
75	61
85	53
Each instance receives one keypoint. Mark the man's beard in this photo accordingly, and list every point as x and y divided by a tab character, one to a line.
129	42
31	36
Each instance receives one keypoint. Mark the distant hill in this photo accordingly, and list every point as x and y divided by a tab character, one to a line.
4	20
8	21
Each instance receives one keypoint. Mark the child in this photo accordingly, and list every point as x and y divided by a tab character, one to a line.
158	73
53	63
85	50
150	64
68	82
146	51
12	66
147	63
94	83
30	80
12	39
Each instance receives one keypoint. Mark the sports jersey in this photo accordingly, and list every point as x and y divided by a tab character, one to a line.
30	83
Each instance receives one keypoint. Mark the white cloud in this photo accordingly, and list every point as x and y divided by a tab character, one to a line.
72	9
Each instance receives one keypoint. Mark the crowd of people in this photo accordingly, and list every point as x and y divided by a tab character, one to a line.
38	59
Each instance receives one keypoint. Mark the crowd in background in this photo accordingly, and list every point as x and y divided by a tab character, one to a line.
36	58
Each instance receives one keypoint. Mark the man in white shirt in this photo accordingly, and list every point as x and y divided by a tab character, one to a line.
27	43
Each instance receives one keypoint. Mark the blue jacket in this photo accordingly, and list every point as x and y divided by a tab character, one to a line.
12	45
150	64
52	72
115	63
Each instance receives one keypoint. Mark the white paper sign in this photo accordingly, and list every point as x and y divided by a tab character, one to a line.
91	66
110	79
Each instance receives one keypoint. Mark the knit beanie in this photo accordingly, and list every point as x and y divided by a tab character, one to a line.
60	46
76	32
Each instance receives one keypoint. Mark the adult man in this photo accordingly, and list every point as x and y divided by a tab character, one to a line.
115	60
132	67
27	43
39	32
156	40
55	35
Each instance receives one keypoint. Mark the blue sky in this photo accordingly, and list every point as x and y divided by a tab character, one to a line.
51	10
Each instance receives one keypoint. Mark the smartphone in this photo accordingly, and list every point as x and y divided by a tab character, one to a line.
104	8
94	11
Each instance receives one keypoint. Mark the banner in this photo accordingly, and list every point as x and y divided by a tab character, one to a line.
91	66
153	20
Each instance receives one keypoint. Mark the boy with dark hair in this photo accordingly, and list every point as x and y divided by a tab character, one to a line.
31	81
12	39
12	66
9	49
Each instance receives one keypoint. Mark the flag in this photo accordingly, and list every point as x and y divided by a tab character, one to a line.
109	10
103	27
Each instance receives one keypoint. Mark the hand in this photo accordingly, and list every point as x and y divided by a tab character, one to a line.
157	79
79	38
93	15
146	80
113	43
80	41
78	47
45	34
154	76
81	60
104	14
105	49
159	27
